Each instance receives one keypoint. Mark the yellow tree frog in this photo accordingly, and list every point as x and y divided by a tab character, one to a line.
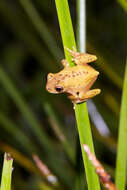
76	81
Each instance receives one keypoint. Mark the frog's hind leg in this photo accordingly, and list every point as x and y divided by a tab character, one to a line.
81	58
89	94
65	63
73	52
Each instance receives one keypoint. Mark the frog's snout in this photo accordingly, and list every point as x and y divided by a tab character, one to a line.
47	88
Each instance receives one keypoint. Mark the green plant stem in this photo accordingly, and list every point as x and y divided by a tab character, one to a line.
123	3
121	163
7	172
66	28
86	137
80	109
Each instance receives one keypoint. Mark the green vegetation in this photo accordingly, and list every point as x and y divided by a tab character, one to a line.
35	122
7	172
122	150
80	109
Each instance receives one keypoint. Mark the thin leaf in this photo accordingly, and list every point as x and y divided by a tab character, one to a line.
123	3
19	158
7	172
121	162
80	110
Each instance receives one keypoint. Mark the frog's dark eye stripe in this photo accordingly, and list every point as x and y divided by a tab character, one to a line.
59	88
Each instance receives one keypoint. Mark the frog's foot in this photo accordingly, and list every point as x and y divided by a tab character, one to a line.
89	94
73	52
81	58
65	63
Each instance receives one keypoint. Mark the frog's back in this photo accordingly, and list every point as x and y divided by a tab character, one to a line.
77	74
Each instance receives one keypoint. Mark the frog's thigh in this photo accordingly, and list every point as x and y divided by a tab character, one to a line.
65	63
84	58
81	58
84	96
89	94
88	86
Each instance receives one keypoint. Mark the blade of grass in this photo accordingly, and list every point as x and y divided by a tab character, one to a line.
80	110
81	42
7	172
123	4
19	158
66	28
86	136
121	163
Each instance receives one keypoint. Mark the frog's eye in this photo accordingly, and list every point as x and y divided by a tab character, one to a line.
58	88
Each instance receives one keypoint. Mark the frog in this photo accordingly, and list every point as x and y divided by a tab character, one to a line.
76	81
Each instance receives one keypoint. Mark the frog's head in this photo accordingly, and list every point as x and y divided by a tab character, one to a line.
53	84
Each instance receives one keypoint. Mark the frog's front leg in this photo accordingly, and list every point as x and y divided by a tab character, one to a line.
65	63
84	97
81	58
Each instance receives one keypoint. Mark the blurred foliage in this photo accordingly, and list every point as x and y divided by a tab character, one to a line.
34	121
